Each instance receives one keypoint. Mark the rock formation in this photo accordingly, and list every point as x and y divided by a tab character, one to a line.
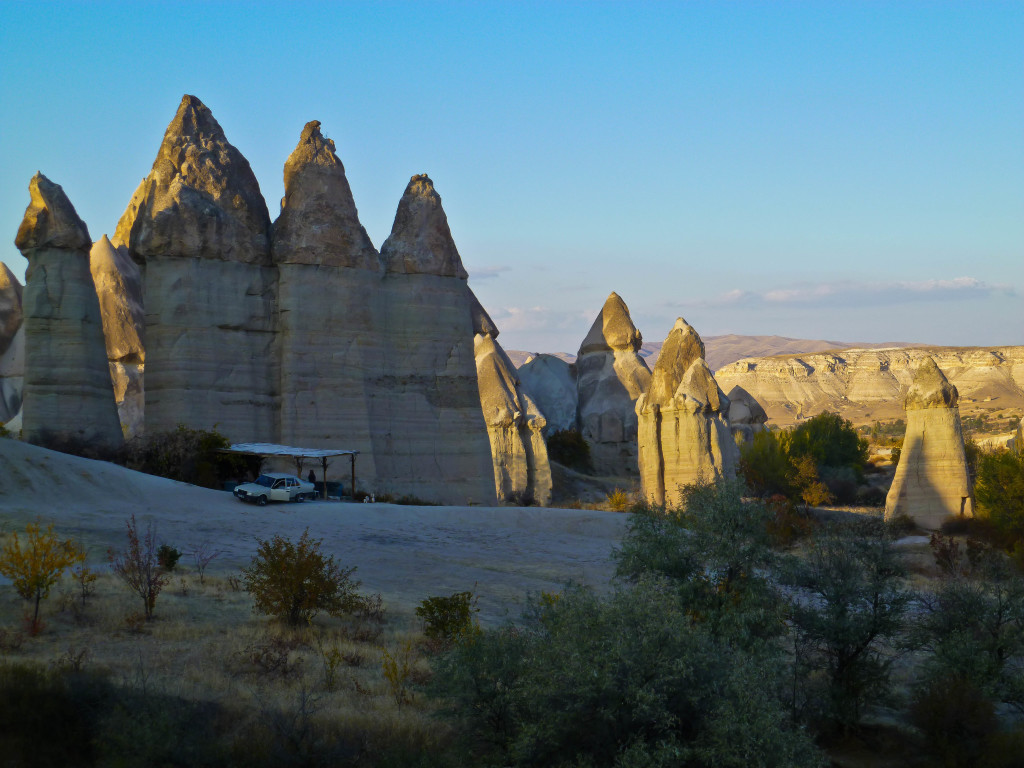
67	390
863	385
684	433
610	376
429	436
118	285
199	228
746	416
514	425
932	481
12	345
330	320
551	383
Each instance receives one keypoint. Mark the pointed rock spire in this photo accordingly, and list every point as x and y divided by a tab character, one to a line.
67	389
613	328
681	348
930	388
200	200
119	288
482	322
420	240
319	223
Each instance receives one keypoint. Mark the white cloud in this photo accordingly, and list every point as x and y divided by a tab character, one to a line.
487	273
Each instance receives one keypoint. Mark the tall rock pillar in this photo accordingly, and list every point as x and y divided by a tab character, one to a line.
330	276
683	433
199	229
932	481
514	424
429	435
12	345
67	391
610	376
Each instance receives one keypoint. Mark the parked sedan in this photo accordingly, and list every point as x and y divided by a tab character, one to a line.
275	486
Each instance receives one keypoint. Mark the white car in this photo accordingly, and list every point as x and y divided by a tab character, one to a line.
275	486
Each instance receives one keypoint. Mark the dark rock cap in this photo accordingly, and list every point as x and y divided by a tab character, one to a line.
420	240
51	220
682	347
930	388
482	322
613	328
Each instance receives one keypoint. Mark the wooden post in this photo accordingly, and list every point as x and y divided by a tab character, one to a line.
352	490
323	476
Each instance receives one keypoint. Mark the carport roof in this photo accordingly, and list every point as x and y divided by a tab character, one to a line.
274	449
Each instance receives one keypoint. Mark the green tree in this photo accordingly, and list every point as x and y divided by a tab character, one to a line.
37	562
999	491
294	581
765	464
831	441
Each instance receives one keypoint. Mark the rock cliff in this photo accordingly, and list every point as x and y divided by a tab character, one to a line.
610	376
429	435
330	328
684	433
551	384
514	426
118	285
67	386
12	345
932	481
198	227
863	385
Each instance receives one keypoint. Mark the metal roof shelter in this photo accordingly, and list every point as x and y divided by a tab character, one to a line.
274	449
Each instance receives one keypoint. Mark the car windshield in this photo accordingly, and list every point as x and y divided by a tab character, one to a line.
265	480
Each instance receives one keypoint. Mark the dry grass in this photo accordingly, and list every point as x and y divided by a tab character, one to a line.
205	644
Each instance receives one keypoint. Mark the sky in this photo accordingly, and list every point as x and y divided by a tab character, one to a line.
851	171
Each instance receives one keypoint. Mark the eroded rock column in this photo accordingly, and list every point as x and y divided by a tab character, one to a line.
67	390
12	345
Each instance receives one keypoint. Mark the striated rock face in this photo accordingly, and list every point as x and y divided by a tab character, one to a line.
514	426
746	416
331	319
67	382
429	435
199	228
610	376
932	481
551	383
118	285
870	384
12	345
684	433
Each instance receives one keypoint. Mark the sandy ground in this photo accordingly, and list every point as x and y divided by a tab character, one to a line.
404	552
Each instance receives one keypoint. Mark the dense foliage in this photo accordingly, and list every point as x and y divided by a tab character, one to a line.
569	449
36	562
999	491
193	456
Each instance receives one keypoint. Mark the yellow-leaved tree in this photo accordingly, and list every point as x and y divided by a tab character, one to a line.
36	563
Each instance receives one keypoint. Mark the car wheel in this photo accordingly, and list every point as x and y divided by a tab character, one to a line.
262	501
300	498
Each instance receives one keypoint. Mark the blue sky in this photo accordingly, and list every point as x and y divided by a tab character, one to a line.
844	170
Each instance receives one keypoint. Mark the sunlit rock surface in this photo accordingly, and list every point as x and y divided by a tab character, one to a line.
12	345
684	433
746	416
331	337
932	481
514	427
119	288
67	387
610	376
199	229
429	435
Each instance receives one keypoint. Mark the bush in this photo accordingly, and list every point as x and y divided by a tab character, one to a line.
190	455
167	557
841	483
568	448
619	501
999	491
831	441
138	567
626	680
765	465
447	620
956	719
35	567
294	581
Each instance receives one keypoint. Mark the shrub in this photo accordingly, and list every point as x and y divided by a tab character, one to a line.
956	719
35	567
397	669
999	491
447	620
831	441
138	567
295	581
167	557
619	500
765	465
190	455
568	448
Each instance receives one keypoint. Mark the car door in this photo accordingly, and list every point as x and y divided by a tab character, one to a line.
280	491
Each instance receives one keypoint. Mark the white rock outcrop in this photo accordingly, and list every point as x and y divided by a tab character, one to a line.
610	377
12	345
118	285
514	426
429	435
746	416
932	481
551	383
67	387
199	229
684	433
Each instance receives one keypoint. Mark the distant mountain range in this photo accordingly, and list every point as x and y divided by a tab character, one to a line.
723	350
